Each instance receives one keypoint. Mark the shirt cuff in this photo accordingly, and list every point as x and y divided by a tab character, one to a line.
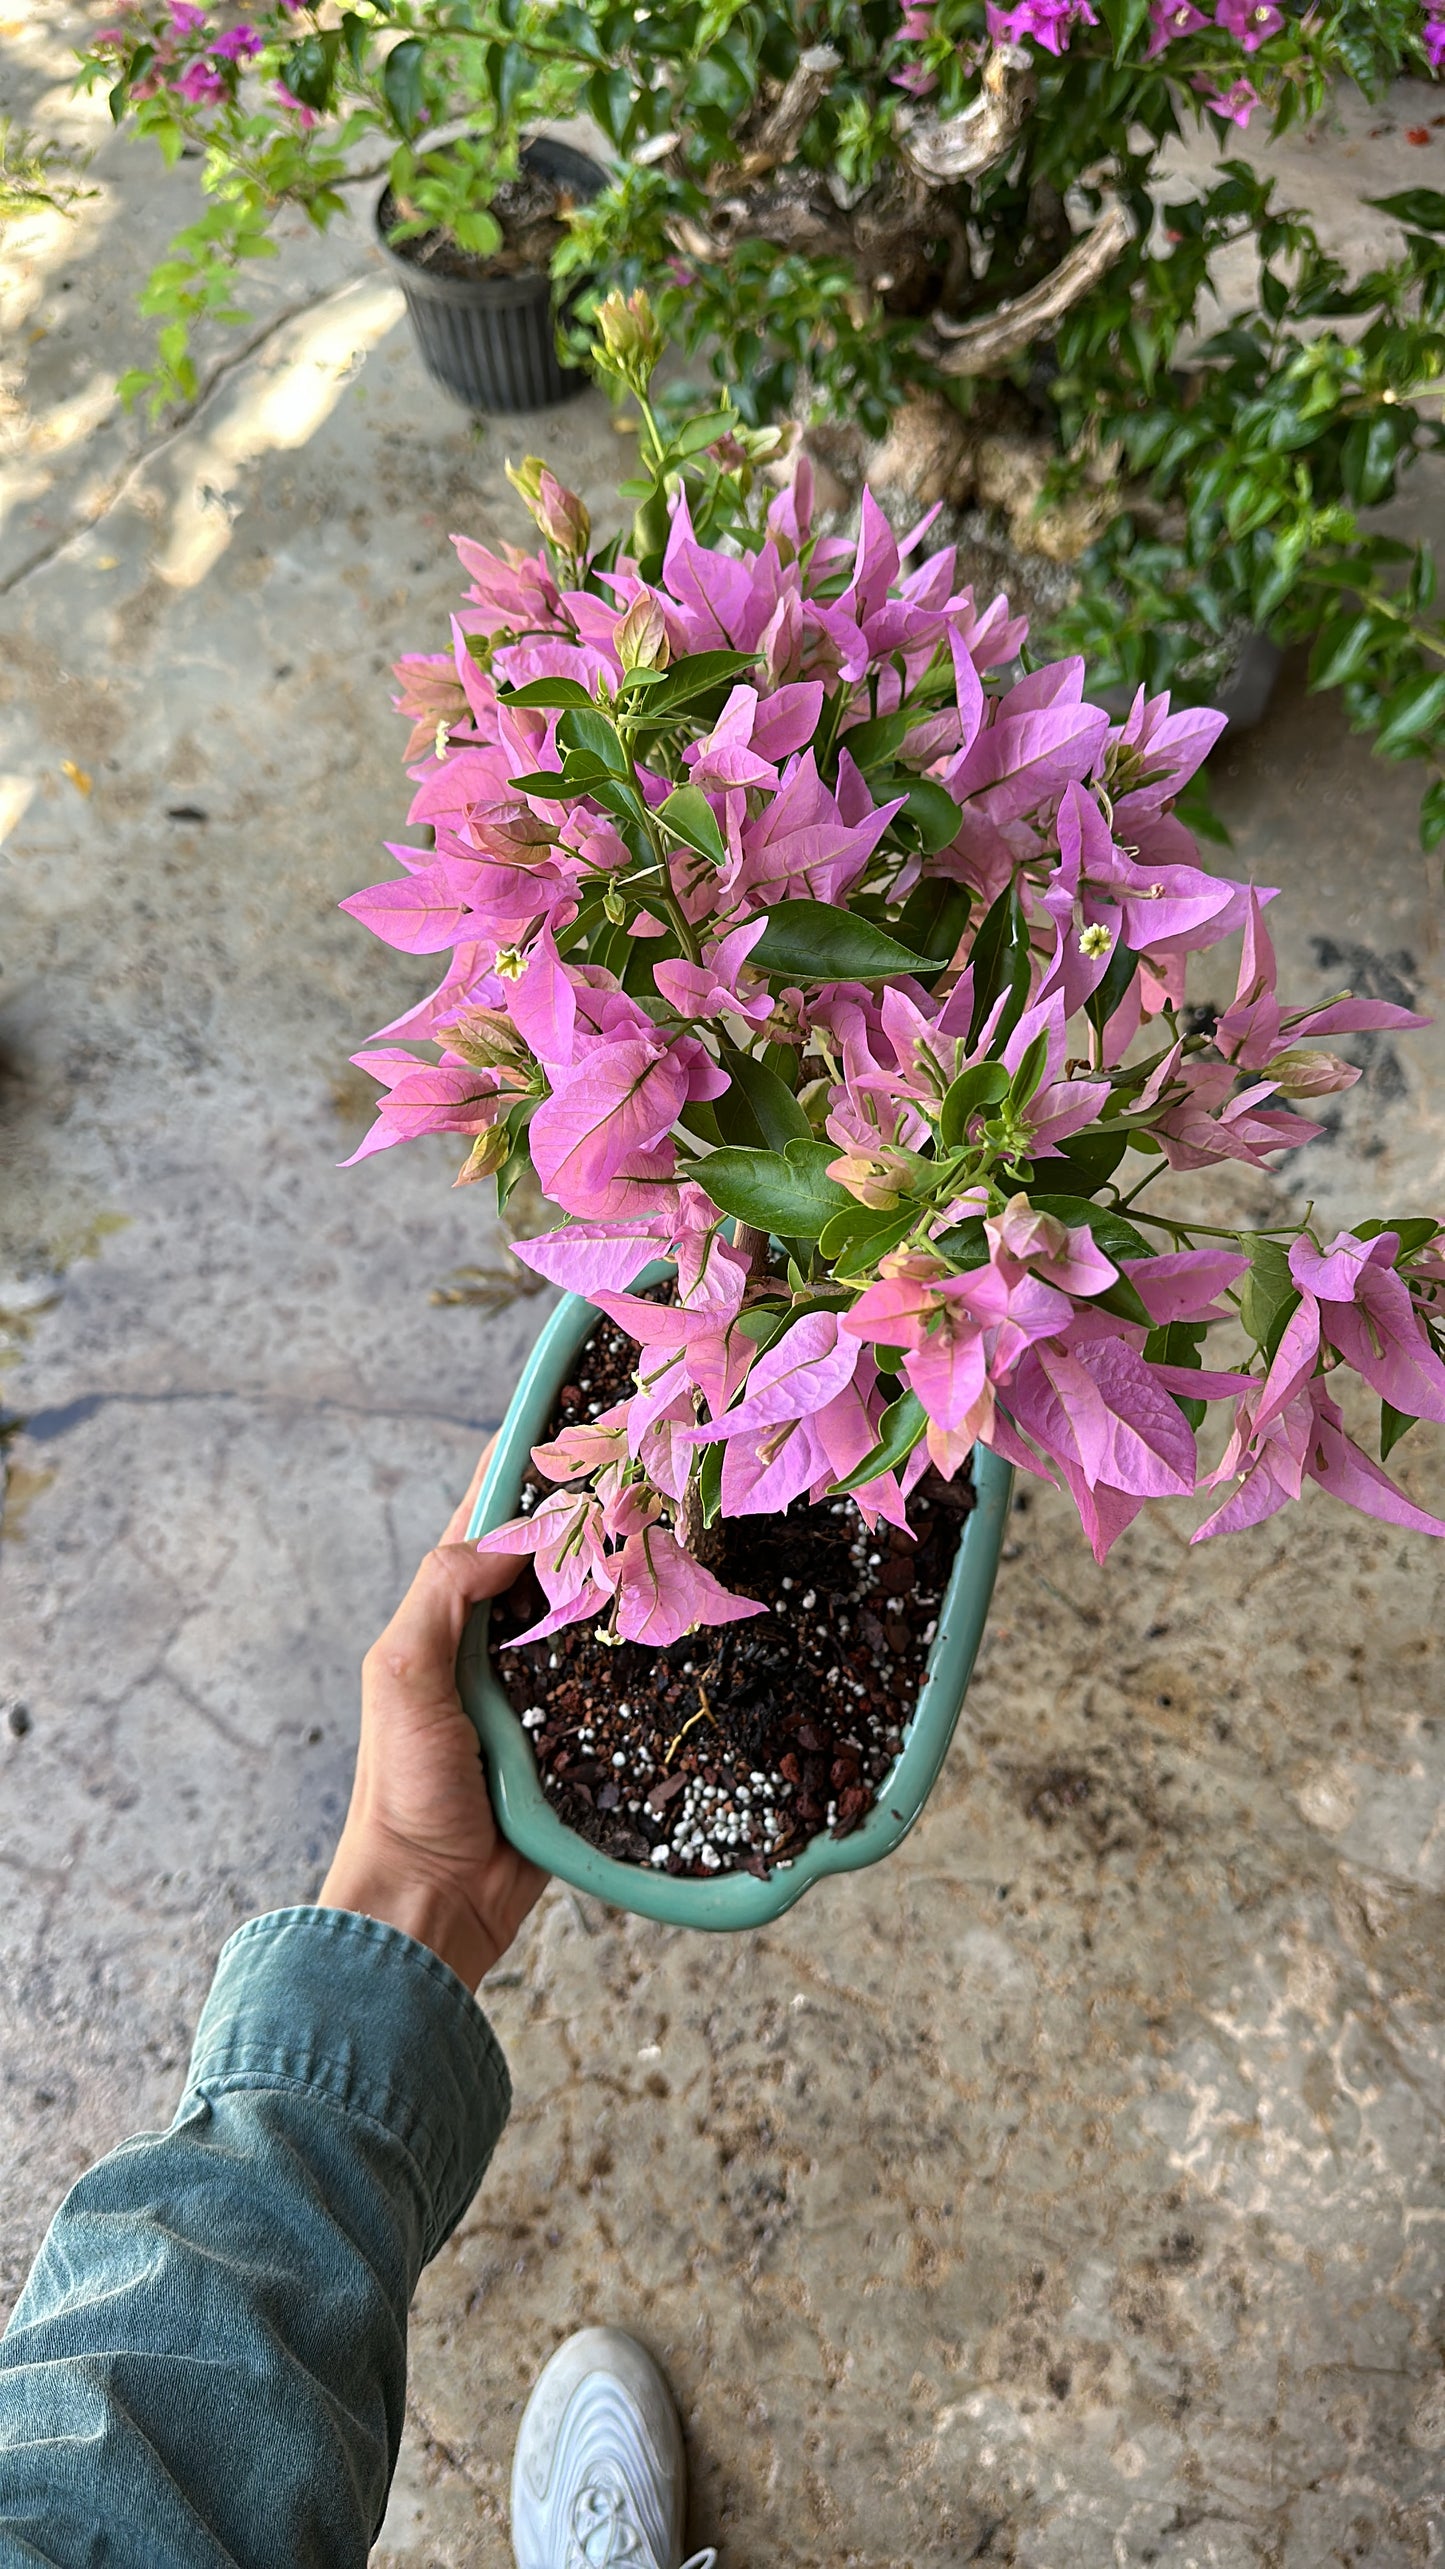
355	2012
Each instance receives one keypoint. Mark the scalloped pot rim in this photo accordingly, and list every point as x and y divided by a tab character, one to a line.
733	1900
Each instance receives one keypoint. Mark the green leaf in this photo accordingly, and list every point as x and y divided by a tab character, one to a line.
622	800
966	1244
1110	992
1432	815
650	528
934	916
550	692
1421	208
1088	1161
871	743
1415	1231
695	676
702	432
1000	960
511	73
547	783
592	733
690	816
610	97
986	1084
769	1102
644	955
1269	1294
933	819
309	69
518	1161
790	1194
813	941
402	83
701	1116
865	1231
1124	19
1367	458
1123	1300
762	1323
709	1481
1179	1343
1117	1238
1343	647
903	1425
1030	1071
140	63
1394	1423
1409	713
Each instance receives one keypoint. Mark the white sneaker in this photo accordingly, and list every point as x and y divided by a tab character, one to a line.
598	2478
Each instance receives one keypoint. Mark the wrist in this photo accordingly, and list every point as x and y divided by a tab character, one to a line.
381	1881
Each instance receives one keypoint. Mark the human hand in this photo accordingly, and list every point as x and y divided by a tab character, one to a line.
421	1848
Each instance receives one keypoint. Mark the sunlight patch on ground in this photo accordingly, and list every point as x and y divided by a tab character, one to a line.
280	405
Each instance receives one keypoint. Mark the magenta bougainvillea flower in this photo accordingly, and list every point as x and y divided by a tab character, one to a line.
1051	23
1236	104
782	903
1169	19
201	82
1250	22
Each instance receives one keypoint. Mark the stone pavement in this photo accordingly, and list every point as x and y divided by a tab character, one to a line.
1066	2192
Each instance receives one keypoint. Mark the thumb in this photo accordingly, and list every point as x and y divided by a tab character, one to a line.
418	1650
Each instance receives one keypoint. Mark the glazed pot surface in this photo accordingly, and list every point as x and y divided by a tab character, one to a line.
727	1900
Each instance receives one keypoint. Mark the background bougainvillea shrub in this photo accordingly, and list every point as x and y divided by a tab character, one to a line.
800	932
951	224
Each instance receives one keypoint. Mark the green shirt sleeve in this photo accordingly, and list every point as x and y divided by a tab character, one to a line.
208	2362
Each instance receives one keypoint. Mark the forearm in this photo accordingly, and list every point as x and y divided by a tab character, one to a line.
208	2362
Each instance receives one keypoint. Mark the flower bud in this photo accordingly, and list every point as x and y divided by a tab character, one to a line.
640	641
514	833
632	341
919	1266
559	514
1026	1233
1307	1074
487	1039
869	1181
488	1152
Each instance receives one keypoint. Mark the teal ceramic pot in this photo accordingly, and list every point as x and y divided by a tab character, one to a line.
729	1899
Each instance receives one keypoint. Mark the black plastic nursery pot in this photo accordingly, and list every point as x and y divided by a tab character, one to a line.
491	341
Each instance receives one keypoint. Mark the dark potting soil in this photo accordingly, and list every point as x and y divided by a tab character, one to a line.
529	209
734	1747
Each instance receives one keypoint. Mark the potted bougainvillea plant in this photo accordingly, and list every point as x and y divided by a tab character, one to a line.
825	962
276	98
